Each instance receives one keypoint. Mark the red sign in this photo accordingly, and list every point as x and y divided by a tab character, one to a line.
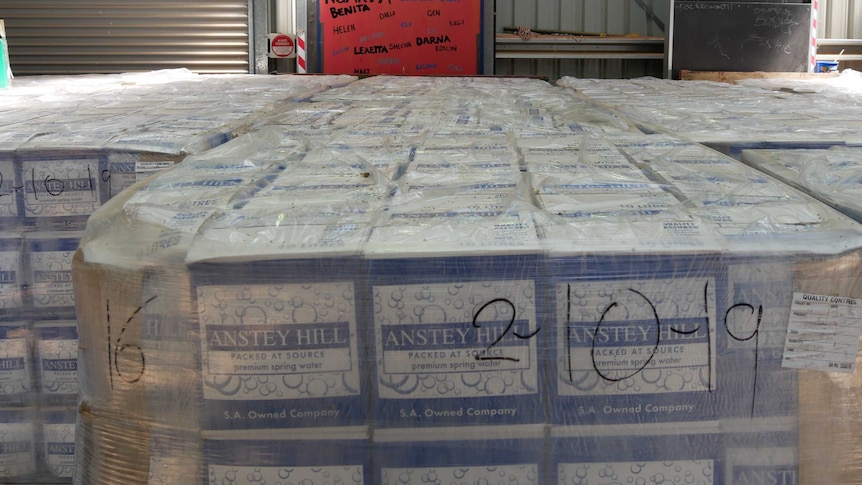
400	36
281	45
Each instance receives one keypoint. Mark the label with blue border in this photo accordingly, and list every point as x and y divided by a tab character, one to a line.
456	342
635	341
279	354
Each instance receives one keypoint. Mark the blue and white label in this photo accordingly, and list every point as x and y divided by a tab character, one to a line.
279	342
521	474
17	450
10	271
629	337
470	339
693	472
278	349
305	475
9	186
52	279
59	366
762	464
61	187
14	366
59	442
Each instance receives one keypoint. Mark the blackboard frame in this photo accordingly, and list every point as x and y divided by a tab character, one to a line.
738	36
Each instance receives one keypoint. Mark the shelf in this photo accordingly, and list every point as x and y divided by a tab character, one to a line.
511	46
829	49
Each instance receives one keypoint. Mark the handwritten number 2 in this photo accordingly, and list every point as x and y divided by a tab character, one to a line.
482	355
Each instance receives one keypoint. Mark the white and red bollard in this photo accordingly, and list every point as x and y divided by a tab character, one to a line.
301	62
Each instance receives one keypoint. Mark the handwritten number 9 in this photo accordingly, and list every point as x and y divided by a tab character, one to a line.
483	355
755	334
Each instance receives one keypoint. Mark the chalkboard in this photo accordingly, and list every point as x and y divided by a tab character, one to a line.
739	36
365	37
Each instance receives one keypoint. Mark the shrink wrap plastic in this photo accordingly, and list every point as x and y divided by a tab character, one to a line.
70	144
67	145
730	118
842	89
834	176
466	280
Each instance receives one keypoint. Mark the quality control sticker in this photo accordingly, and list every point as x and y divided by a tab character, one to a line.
823	333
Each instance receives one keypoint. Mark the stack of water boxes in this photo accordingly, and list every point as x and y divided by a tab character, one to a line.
68	146
416	280
834	176
728	118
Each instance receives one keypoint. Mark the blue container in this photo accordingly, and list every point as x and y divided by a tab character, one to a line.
826	66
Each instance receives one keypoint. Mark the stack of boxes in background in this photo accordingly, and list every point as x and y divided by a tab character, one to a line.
832	176
68	146
457	280
730	118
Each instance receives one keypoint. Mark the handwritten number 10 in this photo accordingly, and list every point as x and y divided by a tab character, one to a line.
658	324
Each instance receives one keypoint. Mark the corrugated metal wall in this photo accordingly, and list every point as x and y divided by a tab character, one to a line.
840	19
64	37
613	17
108	36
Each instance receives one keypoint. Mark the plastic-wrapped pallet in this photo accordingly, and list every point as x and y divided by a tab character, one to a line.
843	88
729	118
69	145
671	328
493	295
76	142
833	176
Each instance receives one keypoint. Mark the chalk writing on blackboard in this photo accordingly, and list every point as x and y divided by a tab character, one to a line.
771	44
779	18
683	6
740	36
716	44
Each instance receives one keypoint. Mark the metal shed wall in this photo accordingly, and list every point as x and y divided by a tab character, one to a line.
612	17
840	19
109	36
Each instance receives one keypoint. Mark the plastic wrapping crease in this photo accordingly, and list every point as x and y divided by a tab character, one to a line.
832	176
460	280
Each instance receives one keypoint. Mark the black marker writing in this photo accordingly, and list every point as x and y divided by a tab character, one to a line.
656	321
483	355
755	334
117	348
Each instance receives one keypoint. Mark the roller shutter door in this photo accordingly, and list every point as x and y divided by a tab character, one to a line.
101	36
